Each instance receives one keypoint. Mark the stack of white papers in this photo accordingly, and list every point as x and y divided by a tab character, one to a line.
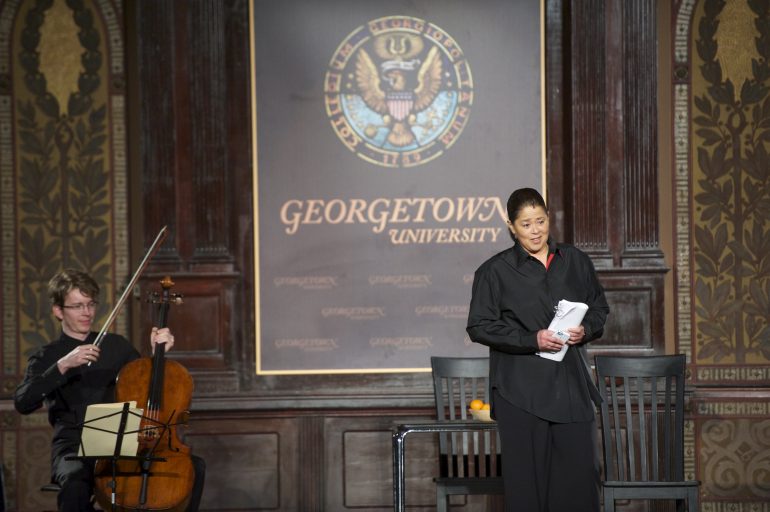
568	314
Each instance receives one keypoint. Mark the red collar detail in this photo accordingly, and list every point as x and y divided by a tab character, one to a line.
550	258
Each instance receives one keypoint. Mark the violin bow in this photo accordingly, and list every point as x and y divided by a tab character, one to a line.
150	252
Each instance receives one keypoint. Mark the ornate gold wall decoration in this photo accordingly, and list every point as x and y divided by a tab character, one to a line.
731	184
735	35
63	191
721	98
64	174
735	447
59	52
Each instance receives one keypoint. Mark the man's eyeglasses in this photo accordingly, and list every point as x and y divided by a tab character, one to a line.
91	306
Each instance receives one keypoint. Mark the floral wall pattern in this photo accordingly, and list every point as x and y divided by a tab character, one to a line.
721	92
69	169
731	183
63	187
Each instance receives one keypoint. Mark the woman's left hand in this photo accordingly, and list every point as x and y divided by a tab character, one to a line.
162	336
576	335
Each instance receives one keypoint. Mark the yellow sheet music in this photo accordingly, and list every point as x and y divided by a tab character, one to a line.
101	426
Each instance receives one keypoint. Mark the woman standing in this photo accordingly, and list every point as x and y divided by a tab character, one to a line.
543	407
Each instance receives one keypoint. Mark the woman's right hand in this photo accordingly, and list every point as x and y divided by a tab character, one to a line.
546	342
82	354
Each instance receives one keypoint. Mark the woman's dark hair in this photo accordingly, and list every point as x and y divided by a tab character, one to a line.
522	198
66	281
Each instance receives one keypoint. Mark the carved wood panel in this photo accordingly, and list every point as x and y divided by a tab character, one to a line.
359	473
188	68
251	463
634	326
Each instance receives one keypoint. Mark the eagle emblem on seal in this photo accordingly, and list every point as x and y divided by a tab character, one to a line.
398	91
390	91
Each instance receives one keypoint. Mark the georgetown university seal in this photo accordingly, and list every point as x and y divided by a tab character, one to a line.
398	91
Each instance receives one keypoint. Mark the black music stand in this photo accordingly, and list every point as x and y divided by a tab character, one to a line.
145	460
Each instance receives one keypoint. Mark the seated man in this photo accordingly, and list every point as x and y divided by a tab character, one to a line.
71	373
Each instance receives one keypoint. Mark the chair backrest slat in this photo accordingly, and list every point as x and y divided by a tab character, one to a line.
618	439
678	457
669	422
644	472
654	422
630	446
642	417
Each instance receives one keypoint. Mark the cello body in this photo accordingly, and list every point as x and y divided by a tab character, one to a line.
163	388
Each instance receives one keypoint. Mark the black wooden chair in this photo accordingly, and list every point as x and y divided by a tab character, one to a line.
469	462
643	430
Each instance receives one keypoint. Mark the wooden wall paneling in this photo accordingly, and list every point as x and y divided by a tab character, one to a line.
367	478
180	218
589	194
202	327
347	391
252	462
635	324
238	160
182	140
183	100
614	131
210	201
188	81
640	158
615	207
359	473
309	481
557	118
614	213
157	100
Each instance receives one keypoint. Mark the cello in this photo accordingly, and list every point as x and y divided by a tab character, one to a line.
162	476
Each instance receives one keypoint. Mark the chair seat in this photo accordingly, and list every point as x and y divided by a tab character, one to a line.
687	489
